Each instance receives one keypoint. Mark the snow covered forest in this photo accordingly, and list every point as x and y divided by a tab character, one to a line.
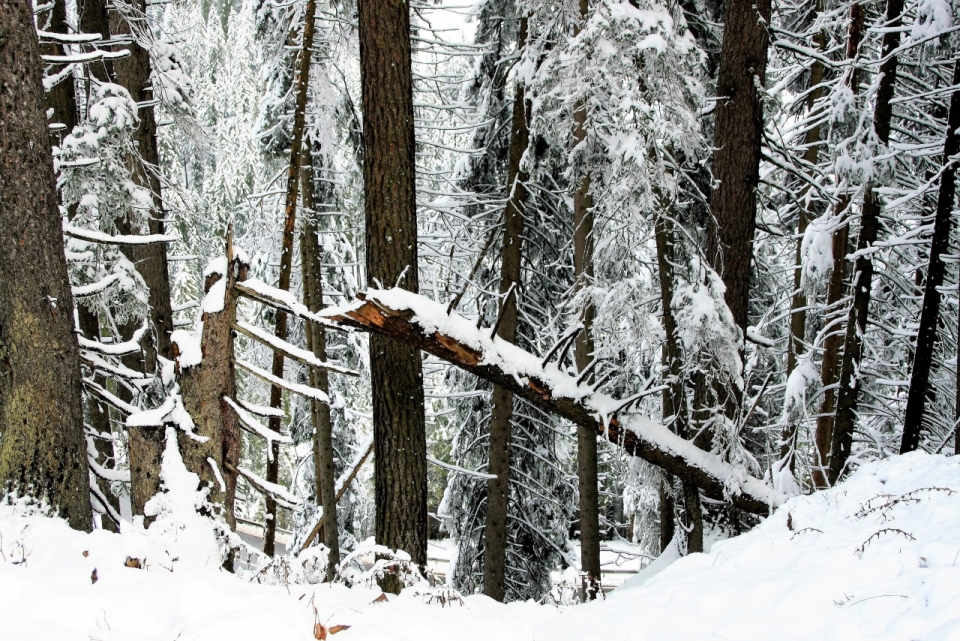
527	299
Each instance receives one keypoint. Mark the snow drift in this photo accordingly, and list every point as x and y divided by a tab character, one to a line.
875	558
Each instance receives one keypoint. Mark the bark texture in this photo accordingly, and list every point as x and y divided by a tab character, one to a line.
737	137
930	312
389	174
323	457
583	243
204	388
498	489
42	446
133	73
847	396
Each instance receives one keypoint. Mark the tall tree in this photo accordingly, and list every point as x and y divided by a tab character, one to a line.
498	488
849	390
389	173
42	448
301	92
930	312
583	244
133	73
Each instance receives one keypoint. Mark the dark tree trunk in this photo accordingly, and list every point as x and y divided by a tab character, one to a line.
42	447
389	174
583	243
830	364
843	429
323	457
303	61
498	489
94	18
737	138
930	313
133	73
674	397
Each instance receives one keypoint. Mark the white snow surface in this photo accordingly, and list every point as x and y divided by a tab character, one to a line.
875	558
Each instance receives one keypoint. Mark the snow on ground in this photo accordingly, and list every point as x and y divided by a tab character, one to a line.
875	558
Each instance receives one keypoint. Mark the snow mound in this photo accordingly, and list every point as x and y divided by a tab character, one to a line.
875	558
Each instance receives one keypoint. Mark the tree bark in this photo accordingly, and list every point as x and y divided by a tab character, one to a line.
658	446
737	138
498	489
133	73
930	312
842	438
304	61
674	409
323	457
829	365
42	445
583	243
389	174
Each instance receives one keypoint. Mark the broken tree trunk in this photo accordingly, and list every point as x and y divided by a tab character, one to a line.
417	321
205	388
498	488
930	313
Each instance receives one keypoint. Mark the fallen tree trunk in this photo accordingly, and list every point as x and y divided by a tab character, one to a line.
418	321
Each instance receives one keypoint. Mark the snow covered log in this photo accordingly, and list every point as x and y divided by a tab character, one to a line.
421	322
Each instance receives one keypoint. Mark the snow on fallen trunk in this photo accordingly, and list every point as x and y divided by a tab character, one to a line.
419	321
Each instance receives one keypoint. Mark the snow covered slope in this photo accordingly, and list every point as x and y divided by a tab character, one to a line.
876	558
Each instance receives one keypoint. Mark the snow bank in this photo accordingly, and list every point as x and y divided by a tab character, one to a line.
875	558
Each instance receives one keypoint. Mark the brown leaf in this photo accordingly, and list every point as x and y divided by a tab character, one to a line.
133	563
338	628
381	599
319	632
86	553
93	576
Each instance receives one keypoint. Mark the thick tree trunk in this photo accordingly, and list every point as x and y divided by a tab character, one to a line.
930	312
674	400
304	61
843	429
830	364
498	489
583	243
204	389
42	446
737	138
796	346
389	174
133	73
94	18
323	461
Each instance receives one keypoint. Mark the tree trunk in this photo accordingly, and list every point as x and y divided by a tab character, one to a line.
42	447
498	489
304	61
843	429
674	401
94	18
796	346
829	365
133	73
930	312
389	174
323	458
583	243
737	138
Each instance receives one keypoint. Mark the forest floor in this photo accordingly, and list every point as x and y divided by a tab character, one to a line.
878	557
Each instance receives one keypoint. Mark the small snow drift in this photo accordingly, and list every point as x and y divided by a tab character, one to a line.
877	557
